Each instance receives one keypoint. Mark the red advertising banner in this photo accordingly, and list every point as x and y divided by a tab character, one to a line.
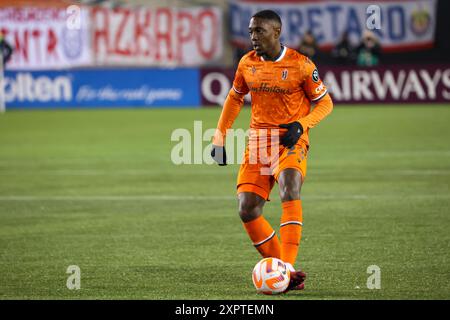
385	84
157	36
47	38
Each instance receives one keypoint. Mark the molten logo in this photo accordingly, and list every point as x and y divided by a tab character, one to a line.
24	87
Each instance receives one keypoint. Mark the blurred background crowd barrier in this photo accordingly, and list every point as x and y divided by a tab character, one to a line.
136	53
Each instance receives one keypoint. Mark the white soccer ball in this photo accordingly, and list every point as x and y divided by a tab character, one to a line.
271	276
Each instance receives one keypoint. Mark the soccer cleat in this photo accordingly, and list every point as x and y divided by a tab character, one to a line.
297	281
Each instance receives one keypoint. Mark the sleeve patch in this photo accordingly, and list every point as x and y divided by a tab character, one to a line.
315	75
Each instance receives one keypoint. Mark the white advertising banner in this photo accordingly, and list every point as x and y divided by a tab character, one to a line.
400	25
157	36
47	38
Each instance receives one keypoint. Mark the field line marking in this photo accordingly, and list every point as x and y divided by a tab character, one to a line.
206	197
148	172
115	198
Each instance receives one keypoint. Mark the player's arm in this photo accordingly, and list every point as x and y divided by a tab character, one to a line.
322	108
318	94
230	111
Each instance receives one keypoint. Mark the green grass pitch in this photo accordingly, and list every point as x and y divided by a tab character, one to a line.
97	189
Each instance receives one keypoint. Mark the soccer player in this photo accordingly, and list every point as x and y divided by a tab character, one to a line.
5	55
5	49
283	84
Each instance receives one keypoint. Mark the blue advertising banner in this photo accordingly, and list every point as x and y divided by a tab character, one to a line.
143	87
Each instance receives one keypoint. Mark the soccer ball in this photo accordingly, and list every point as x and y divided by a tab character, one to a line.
271	276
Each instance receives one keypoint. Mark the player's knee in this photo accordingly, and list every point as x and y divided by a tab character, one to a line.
290	183
249	211
289	193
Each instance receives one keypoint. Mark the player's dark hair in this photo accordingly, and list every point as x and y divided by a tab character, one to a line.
268	15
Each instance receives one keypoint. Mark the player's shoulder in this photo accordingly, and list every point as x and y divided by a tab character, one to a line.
294	55
302	62
249	57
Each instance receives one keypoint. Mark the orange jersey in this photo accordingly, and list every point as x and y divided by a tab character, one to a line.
282	92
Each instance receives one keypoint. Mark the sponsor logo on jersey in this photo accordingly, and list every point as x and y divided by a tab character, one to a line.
264	87
319	88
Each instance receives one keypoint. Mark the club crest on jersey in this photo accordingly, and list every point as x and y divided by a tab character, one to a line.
253	69
315	75
284	74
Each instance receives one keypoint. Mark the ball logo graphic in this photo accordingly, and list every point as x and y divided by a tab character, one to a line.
271	276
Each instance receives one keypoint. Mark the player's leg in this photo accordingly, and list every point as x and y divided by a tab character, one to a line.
290	174
258	228
253	189
290	182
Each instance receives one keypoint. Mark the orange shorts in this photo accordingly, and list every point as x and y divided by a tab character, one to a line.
259	176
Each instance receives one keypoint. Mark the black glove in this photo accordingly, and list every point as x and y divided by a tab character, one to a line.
219	155
294	132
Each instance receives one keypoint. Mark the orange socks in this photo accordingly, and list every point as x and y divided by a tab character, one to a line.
263	237
291	230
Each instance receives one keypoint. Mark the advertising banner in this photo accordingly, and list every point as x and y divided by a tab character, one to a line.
387	84
102	88
47	38
157	36
400	25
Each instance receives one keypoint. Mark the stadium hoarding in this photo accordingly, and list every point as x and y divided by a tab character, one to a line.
403	25
47	38
385	84
86	88
57	38
157	36
389	84
215	84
